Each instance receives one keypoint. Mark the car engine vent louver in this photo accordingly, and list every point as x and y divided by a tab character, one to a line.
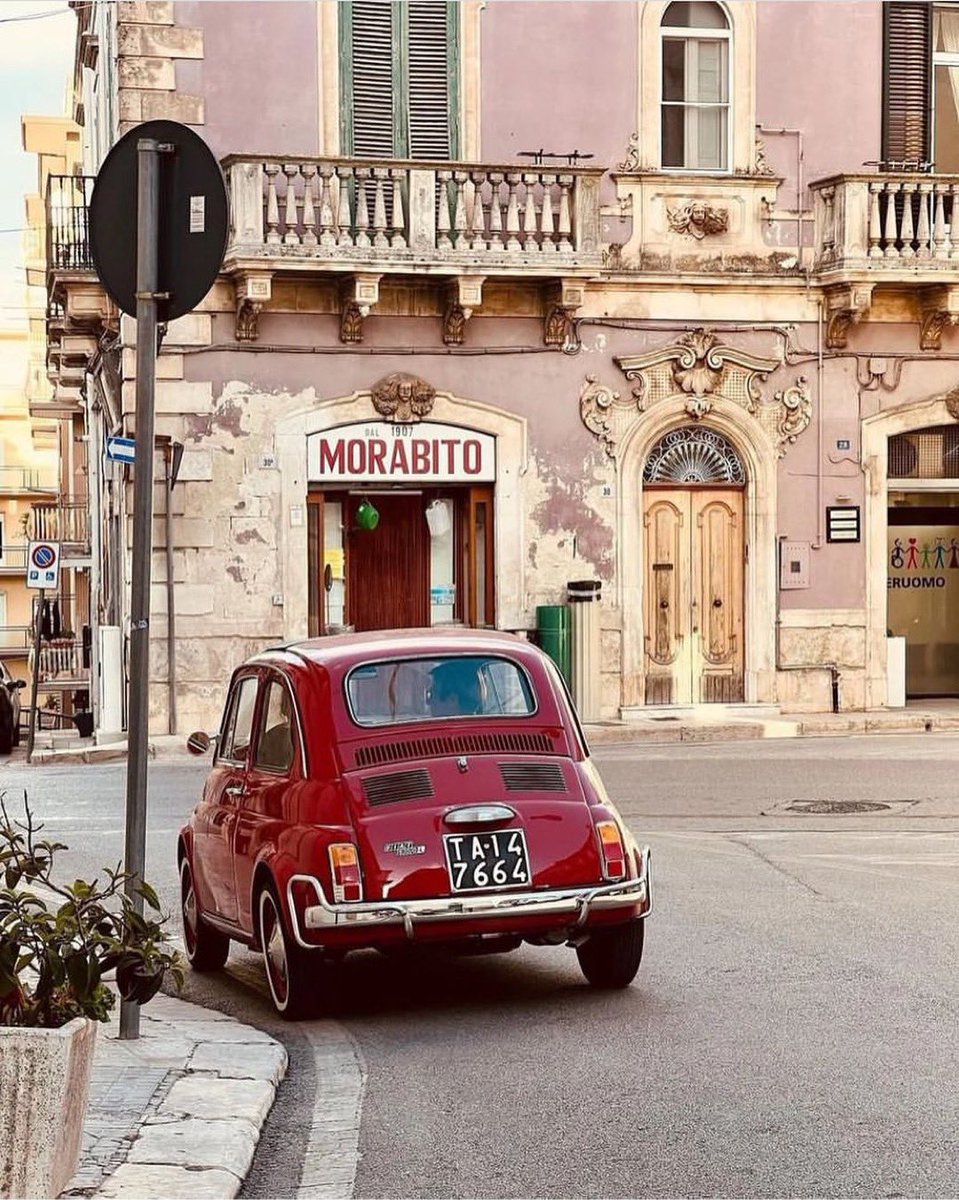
397	786
461	743
533	777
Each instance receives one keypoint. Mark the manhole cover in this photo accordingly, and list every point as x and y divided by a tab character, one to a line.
837	806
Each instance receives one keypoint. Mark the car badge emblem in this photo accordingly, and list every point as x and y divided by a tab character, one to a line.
404	849
462	765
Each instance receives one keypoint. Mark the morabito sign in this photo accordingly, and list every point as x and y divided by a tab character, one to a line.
382	452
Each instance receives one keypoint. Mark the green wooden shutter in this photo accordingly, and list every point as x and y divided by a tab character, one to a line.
367	60
433	91
907	83
399	72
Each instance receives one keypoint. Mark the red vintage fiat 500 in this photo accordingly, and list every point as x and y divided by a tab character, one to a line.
373	790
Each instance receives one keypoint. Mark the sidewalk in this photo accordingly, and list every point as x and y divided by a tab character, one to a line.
179	1111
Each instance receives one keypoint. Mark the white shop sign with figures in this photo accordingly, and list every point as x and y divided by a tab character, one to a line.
421	452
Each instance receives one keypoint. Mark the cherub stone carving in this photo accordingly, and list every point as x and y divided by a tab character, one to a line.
697	219
402	397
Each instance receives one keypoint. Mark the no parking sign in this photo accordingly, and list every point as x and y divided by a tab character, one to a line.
43	564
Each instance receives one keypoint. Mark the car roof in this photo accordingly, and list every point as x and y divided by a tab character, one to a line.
344	650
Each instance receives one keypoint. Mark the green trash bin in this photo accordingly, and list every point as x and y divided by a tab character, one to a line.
552	625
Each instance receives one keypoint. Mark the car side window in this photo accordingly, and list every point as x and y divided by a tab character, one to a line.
239	724
276	745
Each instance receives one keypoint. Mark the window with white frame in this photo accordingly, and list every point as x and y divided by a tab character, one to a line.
695	86
945	88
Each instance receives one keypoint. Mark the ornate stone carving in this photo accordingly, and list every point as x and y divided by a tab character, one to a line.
698	407
701	375
845	305
698	368
762	166
698	219
403	398
351	323
795	413
599	406
631	161
952	403
246	328
454	324
558	326
939	307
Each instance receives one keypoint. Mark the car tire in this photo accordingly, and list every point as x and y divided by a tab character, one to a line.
16	735
293	974
610	957
6	741
206	948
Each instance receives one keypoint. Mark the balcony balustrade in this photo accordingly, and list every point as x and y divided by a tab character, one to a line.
63	663
67	522
406	215
894	223
26	479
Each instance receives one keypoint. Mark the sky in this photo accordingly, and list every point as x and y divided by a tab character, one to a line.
36	59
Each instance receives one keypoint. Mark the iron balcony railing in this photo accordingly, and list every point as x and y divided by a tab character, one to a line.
68	222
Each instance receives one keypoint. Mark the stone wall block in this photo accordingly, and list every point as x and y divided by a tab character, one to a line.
150	73
195	465
160	41
130	105
609	650
173	106
251	533
192	329
145	12
192	599
181	397
843	645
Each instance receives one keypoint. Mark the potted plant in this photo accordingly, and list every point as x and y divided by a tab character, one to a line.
57	942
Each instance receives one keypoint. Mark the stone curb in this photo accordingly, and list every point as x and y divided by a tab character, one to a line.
196	1131
789	725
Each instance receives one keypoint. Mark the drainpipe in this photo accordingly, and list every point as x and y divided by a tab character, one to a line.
820	373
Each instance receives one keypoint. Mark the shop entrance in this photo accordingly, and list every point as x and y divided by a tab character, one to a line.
693	506
923	557
426	558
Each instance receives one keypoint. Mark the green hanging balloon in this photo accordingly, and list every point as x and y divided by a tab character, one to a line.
367	516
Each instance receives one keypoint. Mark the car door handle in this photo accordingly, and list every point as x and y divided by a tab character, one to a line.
236	789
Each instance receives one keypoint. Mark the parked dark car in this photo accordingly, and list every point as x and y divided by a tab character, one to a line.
9	709
377	790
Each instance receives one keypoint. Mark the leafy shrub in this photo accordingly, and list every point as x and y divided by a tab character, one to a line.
57	942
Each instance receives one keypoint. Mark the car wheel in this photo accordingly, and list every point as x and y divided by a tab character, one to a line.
293	975
16	734
610	957
206	948
6	741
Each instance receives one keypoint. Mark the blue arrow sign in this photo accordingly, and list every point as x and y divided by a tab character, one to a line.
120	449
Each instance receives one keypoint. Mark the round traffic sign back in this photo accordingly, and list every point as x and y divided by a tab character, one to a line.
192	223
43	556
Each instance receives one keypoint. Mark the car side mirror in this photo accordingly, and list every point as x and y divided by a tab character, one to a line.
199	742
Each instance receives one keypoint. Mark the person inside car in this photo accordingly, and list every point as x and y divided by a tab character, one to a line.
455	689
275	751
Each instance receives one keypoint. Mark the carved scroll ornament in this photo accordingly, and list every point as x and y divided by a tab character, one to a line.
698	374
401	397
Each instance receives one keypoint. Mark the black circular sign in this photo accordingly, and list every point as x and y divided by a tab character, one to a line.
192	222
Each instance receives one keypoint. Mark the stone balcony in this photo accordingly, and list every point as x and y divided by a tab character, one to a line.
893	230
459	223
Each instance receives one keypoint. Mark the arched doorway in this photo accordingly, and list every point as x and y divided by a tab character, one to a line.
694	484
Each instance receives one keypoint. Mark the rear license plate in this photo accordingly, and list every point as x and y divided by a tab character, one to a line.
481	861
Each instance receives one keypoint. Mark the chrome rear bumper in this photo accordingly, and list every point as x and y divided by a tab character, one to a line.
577	903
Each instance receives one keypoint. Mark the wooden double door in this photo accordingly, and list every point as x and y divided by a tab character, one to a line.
693	595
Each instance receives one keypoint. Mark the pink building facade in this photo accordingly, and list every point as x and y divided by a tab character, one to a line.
659	295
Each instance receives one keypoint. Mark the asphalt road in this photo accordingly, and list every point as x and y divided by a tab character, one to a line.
793	1030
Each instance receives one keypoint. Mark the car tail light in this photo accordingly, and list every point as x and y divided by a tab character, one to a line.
614	852
345	868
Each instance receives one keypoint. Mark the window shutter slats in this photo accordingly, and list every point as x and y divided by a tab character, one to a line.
908	81
372	53
429	79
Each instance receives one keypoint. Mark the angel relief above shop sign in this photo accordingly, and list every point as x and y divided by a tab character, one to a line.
701	371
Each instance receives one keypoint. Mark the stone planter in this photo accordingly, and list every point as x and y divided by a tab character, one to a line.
44	1088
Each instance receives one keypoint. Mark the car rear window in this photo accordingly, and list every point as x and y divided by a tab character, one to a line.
427	689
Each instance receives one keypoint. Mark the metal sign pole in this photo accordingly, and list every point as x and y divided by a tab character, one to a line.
34	682
148	205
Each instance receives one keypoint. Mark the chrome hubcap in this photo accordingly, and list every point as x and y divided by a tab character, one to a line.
275	950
